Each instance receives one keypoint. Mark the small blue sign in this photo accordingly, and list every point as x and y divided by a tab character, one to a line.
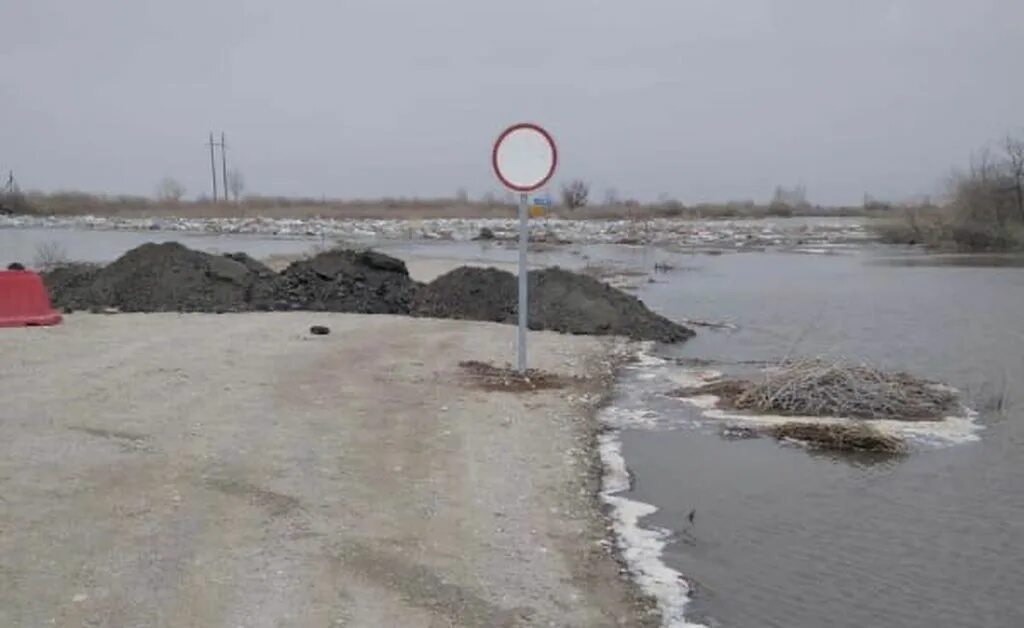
542	201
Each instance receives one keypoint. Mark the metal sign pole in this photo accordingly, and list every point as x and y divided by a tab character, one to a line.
524	158
524	237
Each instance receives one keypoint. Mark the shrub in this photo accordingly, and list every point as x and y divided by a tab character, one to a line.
50	255
575	193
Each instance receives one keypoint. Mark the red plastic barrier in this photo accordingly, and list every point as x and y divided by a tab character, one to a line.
24	301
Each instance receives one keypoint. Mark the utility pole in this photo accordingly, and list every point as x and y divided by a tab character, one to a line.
224	164
213	169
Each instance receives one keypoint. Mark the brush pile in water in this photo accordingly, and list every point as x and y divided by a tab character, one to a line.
816	387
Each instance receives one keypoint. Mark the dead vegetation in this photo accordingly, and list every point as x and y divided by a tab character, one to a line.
840	437
507	379
50	255
815	387
984	210
76	203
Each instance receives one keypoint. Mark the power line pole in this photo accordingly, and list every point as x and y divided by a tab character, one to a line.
213	168
224	163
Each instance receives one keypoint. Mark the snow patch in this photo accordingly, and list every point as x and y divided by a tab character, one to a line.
642	547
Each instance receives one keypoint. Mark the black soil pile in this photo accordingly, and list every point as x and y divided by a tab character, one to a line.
70	286
559	301
347	281
160	278
475	294
172	278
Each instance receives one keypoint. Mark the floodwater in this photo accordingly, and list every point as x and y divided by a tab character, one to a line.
23	245
783	537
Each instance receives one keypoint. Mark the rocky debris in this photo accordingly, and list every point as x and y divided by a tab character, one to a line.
560	301
347	281
320	330
733	234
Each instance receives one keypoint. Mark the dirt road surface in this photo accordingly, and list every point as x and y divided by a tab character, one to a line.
203	470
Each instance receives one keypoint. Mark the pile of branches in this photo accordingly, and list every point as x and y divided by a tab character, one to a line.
814	387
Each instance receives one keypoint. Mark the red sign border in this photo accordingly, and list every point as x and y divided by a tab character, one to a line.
554	156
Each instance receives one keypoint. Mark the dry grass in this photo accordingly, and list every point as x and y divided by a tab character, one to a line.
853	437
81	203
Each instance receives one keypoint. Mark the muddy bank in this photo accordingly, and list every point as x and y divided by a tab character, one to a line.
172	278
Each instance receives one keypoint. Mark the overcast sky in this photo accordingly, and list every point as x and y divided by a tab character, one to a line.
702	100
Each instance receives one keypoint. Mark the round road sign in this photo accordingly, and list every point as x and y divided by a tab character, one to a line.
524	157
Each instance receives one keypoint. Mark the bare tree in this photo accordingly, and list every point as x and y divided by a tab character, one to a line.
575	193
50	255
1015	163
983	165
790	197
170	189
236	184
611	197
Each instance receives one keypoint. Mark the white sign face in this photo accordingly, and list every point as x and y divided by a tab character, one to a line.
525	157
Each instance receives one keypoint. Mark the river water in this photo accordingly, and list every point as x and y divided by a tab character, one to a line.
783	537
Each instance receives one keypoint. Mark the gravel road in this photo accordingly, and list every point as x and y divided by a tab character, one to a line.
204	470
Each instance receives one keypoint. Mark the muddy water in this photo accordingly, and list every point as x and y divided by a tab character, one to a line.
784	538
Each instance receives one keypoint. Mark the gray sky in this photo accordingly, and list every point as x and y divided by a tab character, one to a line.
696	99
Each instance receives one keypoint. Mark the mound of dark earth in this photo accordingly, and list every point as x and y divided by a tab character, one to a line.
165	277
347	281
70	286
172	278
560	301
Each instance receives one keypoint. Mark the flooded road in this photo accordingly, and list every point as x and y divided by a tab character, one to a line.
782	537
24	245
785	538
